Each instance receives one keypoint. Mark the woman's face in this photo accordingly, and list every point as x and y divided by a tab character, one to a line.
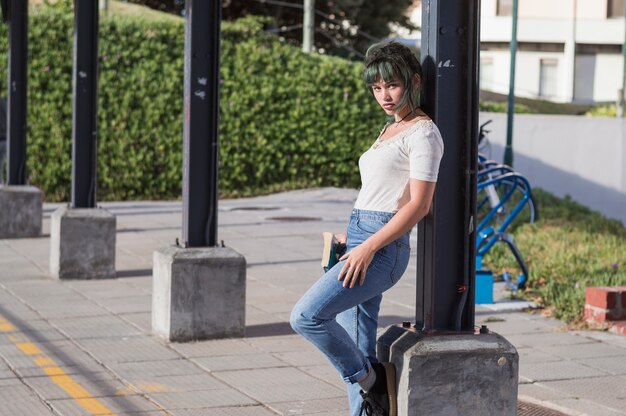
388	95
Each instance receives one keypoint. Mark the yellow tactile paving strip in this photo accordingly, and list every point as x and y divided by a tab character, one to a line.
54	371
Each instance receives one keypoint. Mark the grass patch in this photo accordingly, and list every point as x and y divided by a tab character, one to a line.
122	8
502	107
569	248
139	11
604	110
492	101
492	319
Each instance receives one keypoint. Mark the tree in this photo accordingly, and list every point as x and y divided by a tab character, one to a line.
342	27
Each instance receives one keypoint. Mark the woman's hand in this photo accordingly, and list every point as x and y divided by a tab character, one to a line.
355	268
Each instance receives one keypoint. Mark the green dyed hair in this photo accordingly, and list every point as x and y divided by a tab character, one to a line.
388	61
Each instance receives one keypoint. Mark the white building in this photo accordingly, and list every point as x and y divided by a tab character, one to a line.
568	50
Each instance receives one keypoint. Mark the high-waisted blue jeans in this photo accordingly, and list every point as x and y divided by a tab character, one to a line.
342	322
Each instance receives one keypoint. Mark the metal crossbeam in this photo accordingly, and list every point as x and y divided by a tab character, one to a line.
200	125
85	104
16	103
446	238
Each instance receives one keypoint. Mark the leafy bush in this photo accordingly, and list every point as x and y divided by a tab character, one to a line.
502	107
605	110
569	248
287	119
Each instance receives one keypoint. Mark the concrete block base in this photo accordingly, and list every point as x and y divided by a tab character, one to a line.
198	293
452	375
20	211
82	243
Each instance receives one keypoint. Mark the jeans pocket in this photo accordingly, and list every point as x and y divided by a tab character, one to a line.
368	226
402	252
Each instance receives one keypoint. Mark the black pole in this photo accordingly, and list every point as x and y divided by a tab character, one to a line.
446	238
16	103
508	149
85	104
200	125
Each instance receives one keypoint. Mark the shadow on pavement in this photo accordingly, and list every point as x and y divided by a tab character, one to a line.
133	273
54	350
284	328
269	330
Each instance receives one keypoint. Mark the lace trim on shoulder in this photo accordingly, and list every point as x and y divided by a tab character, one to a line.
418	124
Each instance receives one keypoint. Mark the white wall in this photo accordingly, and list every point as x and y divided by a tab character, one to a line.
606	83
526	73
589	28
552	21
552	9
607	31
591	9
569	155
542	9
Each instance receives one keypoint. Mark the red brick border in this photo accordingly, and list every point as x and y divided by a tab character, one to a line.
606	307
618	327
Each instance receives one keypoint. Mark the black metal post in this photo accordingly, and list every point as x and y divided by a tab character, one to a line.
508	149
85	104
446	238
200	125
16	103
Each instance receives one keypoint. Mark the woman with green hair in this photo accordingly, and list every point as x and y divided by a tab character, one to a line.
339	313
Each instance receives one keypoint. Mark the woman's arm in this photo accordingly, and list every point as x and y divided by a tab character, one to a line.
359	258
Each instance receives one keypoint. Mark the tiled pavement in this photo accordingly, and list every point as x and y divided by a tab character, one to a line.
84	347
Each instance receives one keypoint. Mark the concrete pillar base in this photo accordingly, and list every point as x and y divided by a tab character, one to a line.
198	293
82	243
450	375
20	211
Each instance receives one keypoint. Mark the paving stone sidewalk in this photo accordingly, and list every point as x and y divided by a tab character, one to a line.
84	347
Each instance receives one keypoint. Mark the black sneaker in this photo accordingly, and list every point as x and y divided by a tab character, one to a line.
380	400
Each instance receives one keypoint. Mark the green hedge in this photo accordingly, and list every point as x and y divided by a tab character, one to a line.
287	119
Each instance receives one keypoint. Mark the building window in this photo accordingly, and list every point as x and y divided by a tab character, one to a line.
597	49
486	74
505	8
548	78
614	8
528	46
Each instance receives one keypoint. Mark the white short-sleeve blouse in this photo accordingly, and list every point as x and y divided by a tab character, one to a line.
387	166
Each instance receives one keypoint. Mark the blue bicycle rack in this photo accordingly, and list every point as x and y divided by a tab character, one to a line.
504	193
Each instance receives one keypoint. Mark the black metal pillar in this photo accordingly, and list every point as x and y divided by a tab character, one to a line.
200	125
446	238
16	103
85	104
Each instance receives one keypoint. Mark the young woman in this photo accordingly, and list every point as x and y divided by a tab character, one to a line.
339	313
